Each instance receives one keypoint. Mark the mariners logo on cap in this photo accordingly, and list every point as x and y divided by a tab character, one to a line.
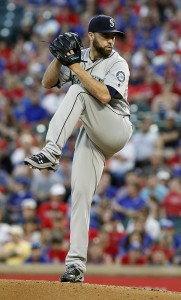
112	22
120	76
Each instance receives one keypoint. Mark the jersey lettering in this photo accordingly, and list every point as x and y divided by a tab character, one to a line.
97	78
75	79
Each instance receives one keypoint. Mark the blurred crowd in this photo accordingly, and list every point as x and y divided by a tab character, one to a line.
136	211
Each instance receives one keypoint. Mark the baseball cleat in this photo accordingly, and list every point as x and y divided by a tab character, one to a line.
40	161
72	274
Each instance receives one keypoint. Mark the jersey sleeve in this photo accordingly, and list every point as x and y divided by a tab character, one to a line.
118	77
65	76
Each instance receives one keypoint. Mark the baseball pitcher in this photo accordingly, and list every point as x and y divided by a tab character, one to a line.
98	97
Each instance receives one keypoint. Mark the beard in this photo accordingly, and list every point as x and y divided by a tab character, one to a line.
102	51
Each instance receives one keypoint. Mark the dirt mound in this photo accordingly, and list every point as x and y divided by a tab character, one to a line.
46	290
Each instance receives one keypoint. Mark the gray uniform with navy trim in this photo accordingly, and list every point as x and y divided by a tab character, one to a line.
105	130
111	71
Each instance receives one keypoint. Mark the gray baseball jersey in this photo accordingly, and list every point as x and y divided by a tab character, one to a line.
105	131
112	71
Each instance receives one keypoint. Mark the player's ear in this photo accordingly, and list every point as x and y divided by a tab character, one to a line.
91	36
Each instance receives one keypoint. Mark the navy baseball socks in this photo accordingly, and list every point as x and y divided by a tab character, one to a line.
73	274
40	161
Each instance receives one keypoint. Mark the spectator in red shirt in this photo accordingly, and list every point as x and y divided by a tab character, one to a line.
15	63
59	225
96	253
166	100
116	233
134	255
174	162
54	204
158	258
172	201
58	249
163	251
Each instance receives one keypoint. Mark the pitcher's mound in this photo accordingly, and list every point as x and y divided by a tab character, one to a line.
46	290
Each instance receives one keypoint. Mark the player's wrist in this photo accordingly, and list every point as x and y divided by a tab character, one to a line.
57	63
75	67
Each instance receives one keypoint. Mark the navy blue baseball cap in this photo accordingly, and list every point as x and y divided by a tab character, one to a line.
103	23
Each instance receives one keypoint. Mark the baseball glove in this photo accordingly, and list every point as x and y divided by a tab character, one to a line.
65	43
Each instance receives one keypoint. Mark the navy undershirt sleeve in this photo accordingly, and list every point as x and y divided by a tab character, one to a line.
112	91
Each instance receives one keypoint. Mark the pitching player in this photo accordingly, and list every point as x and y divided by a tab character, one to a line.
98	97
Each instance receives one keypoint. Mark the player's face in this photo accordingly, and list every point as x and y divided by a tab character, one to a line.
103	43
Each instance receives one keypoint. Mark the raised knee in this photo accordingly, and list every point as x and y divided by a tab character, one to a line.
76	89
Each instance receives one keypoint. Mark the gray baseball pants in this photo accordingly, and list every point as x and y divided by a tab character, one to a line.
104	132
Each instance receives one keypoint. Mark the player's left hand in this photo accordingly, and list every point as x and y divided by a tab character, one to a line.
67	48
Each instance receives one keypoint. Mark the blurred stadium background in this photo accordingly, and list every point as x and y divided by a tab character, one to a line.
136	212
